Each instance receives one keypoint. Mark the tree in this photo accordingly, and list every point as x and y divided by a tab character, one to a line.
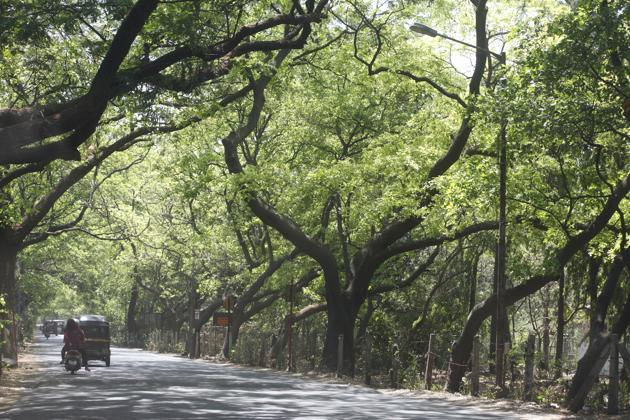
580	160
70	110
344	302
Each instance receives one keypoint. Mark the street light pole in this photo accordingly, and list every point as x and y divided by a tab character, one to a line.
501	242
428	31
501	259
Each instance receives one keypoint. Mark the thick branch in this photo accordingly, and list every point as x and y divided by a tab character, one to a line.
82	114
434	85
461	138
438	240
43	206
421	269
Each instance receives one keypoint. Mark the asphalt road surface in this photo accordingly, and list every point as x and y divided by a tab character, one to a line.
146	385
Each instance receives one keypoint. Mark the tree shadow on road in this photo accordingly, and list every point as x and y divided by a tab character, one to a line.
145	385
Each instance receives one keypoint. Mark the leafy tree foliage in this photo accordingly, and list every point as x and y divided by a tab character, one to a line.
351	159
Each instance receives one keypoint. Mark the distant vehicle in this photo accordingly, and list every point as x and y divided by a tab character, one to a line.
49	328
60	326
97	338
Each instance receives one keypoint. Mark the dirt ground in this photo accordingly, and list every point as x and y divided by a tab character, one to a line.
13	380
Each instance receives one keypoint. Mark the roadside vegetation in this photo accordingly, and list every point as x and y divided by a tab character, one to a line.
327	182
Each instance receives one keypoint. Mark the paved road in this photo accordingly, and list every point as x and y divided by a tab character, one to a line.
146	385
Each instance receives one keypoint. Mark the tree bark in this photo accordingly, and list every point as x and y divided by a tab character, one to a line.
584	377
341	318
8	264
132	327
593	275
472	278
231	338
462	347
492	345
608	291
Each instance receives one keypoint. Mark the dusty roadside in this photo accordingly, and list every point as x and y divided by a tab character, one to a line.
530	410
12	380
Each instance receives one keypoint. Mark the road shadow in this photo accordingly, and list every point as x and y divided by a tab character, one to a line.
145	385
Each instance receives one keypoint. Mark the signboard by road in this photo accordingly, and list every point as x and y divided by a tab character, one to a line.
221	319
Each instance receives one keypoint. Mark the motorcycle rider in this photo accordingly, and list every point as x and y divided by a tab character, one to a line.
74	338
49	328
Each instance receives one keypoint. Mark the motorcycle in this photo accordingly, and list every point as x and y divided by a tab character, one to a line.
73	360
49	328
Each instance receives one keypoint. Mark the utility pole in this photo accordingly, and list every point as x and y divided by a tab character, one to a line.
501	251
290	328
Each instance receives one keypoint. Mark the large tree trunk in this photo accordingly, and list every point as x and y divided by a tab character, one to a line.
585	375
587	372
7	277
341	318
492	345
472	290
132	327
593	273
608	291
282	339
193	303
230	339
8	262
463	345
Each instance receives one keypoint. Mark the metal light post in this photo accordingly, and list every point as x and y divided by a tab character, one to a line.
501	245
290	329
422	29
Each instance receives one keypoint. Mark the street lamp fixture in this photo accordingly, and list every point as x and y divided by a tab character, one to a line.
423	29
428	31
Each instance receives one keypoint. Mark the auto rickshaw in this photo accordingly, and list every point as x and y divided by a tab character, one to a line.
97	337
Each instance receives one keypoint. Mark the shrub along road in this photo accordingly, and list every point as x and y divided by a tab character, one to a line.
146	385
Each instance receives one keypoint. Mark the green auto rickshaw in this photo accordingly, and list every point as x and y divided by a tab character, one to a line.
97	337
